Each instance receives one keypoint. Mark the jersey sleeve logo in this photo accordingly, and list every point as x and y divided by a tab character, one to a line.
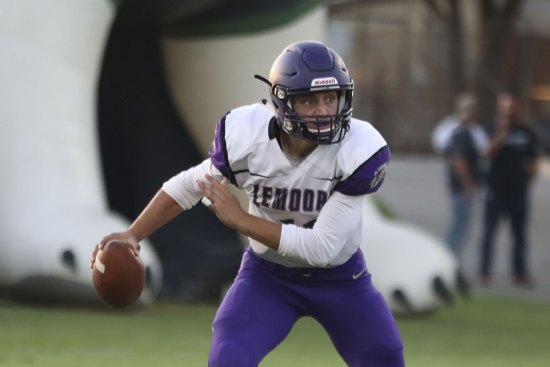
379	175
368	177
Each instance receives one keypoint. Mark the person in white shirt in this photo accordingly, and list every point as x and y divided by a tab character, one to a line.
441	134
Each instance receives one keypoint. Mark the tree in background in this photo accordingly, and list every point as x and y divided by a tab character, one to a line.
495	52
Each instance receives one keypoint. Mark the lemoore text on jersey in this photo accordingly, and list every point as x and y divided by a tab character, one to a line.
293	200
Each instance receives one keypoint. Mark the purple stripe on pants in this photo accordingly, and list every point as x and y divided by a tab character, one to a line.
267	299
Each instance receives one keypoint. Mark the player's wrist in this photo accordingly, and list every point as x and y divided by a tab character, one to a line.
133	234
260	229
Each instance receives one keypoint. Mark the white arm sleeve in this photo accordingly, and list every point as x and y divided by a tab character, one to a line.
183	187
338	221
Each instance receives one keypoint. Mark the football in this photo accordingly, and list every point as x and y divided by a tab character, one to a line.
118	274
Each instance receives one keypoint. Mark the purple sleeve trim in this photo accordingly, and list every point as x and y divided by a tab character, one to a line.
218	151
368	177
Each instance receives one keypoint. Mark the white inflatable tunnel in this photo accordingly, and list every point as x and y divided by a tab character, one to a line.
53	205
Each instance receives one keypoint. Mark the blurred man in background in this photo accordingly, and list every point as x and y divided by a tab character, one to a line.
442	132
463	155
513	154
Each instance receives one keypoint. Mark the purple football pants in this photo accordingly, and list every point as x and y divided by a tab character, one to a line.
266	300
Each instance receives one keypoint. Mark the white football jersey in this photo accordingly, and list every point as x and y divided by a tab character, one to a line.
246	151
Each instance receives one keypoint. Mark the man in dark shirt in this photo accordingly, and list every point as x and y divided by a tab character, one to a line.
513	153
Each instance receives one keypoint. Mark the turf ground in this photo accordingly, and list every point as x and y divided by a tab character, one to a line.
482	332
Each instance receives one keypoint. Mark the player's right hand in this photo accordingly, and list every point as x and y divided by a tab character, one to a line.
126	237
222	202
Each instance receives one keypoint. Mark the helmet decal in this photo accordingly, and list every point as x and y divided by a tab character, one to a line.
322	82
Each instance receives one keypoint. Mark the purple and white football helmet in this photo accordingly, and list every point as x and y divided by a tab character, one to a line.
306	67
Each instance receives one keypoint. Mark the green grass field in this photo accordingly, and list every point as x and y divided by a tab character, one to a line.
483	332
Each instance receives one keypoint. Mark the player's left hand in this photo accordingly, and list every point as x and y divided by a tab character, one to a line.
221	201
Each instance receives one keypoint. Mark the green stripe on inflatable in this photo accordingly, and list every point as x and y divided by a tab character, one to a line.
116	3
216	24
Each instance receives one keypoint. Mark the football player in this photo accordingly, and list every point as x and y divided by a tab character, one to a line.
305	165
